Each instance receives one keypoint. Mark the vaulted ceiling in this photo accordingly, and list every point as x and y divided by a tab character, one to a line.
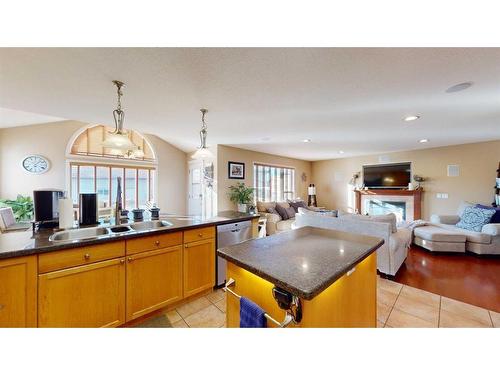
265	99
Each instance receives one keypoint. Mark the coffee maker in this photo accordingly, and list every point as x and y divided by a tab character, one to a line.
46	207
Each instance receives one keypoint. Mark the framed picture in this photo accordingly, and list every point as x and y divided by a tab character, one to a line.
236	170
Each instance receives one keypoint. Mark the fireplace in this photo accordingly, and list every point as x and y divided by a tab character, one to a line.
405	204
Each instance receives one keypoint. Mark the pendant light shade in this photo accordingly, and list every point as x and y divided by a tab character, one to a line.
203	152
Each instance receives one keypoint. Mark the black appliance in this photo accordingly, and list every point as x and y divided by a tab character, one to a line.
88	209
46	207
387	176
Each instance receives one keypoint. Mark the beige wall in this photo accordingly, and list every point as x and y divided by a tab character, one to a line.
50	140
226	153
478	163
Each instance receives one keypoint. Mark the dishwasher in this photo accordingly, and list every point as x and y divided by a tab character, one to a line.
227	235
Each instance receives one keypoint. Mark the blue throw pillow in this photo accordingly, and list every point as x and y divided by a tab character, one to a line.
496	217
473	218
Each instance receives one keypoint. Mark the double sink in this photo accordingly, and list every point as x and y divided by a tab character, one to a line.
103	232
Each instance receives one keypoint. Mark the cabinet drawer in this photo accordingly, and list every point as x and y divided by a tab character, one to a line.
198	234
77	257
138	245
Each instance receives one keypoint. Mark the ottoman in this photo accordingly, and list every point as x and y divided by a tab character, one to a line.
434	238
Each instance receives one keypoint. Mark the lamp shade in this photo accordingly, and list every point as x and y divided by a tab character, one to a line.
119	142
202	153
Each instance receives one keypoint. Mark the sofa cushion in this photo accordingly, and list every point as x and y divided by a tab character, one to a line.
400	240
306	211
290	211
496	217
297	204
284	225
437	234
263	206
272	210
388	218
473	218
282	211
470	236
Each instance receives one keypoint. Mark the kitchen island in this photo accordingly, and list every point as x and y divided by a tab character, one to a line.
330	274
120	274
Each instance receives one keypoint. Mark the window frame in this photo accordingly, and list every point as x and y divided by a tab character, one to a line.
151	193
256	181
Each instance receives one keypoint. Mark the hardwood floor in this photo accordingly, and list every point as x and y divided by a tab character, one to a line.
466	277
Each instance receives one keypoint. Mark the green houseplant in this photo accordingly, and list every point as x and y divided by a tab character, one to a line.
241	195
21	206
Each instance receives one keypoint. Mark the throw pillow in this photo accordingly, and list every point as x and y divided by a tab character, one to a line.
297	204
496	217
272	210
290	211
282	211
473	218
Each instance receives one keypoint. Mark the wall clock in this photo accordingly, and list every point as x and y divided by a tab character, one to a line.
35	164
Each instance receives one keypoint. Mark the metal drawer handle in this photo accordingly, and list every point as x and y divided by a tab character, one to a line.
130	259
122	261
157	243
200	234
87	256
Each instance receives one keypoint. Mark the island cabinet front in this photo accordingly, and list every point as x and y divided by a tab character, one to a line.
18	292
351	301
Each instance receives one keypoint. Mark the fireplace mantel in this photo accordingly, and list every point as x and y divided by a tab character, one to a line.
416	194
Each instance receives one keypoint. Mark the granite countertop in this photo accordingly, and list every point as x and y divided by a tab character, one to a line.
303	261
13	244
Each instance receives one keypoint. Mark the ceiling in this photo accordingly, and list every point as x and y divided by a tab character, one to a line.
11	117
266	99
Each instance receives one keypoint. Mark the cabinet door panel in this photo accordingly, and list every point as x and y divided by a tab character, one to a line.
199	266
18	292
85	296
154	280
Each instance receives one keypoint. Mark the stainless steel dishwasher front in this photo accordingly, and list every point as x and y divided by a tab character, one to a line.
227	235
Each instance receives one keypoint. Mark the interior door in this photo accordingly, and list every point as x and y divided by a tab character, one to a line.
195	198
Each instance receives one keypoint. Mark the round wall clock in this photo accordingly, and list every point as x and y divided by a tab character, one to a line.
35	164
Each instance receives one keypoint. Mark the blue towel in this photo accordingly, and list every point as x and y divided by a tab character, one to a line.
251	315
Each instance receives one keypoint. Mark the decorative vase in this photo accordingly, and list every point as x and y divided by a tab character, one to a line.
242	207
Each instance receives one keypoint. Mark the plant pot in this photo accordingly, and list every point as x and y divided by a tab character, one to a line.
242	207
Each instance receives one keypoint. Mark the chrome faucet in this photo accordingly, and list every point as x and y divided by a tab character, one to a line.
118	203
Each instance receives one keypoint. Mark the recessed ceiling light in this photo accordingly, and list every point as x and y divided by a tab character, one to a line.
306	140
411	118
459	87
341	152
424	140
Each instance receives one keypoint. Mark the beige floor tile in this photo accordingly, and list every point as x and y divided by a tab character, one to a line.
209	317
389	285
216	295
383	312
173	316
221	305
180	324
495	317
420	295
401	319
380	324
193	306
468	312
386	297
450	320
418	309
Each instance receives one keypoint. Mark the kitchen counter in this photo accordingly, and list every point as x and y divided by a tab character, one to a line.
304	261
14	244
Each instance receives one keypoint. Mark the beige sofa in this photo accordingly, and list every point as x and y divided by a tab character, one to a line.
390	256
441	234
274	223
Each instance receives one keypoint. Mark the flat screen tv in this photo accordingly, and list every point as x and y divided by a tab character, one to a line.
387	176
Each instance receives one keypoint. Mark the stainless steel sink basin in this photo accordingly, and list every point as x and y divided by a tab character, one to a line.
148	225
120	229
79	234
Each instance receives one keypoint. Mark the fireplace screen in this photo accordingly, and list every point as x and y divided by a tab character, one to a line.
380	207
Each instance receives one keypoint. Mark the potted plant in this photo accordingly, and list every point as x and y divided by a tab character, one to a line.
21	206
241	195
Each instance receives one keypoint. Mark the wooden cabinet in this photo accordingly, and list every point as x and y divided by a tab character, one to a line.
153	242
92	295
199	234
199	266
154	280
18	292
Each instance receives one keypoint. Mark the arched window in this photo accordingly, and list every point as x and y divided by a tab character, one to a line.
94	168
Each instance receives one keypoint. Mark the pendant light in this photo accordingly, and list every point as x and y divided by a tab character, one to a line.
203	152
118	140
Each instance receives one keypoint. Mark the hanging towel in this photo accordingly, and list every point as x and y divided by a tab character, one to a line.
251	315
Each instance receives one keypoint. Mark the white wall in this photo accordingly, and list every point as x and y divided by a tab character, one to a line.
50	140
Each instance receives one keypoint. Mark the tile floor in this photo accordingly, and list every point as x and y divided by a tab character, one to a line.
398	306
